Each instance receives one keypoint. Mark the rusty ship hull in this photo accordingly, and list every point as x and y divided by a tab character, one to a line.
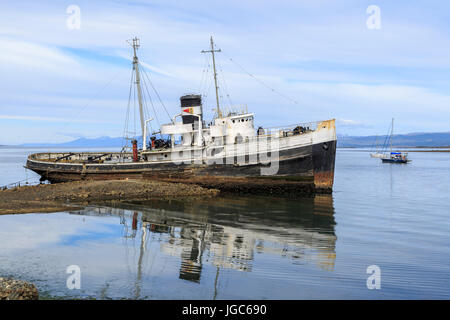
303	169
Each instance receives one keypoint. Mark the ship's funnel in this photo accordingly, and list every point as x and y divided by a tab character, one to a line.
191	108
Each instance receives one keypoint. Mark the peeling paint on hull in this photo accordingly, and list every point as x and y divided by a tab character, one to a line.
308	169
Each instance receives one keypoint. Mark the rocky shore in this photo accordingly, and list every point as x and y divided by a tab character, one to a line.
67	196
11	289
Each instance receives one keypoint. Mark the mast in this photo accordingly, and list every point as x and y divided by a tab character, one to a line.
136	45
219	113
392	133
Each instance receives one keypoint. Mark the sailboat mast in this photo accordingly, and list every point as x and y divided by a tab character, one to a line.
219	113
138	84
392	132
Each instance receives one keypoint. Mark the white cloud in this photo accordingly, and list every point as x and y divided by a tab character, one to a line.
51	119
319	53
348	122
26	53
45	230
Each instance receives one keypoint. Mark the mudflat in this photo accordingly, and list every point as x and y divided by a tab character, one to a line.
70	195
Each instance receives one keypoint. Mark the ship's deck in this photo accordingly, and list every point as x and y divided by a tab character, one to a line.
82	157
161	154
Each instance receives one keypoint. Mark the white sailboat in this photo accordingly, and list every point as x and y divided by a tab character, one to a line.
394	157
376	154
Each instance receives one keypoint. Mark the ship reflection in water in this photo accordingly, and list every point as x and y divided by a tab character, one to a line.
227	232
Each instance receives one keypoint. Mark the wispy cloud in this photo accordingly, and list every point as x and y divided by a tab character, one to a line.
50	119
351	123
319	53
29	54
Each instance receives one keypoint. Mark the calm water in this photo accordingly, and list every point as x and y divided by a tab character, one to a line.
392	216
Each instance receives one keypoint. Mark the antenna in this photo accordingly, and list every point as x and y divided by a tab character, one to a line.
219	113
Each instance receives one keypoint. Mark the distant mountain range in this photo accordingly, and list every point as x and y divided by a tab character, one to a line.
437	139
105	142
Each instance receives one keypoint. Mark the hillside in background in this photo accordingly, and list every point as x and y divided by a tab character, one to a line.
106	142
438	139
400	140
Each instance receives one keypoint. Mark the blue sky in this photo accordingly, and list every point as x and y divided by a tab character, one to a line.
58	84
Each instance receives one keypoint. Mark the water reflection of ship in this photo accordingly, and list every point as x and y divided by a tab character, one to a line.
227	232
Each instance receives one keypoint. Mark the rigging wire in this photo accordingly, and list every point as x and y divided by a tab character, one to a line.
157	94
224	82
145	105
260	81
151	102
93	98
204	69
205	82
374	145
221	83
127	117
387	138
146	99
207	95
147	113
206	85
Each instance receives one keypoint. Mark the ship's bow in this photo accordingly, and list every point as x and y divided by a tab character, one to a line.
324	155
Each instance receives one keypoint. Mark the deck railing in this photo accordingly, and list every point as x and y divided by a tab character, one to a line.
311	126
86	157
81	156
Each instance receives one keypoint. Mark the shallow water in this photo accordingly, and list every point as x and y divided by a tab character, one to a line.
240	247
